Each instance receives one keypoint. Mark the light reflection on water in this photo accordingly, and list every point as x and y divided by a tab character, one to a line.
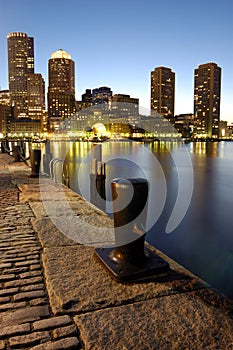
203	241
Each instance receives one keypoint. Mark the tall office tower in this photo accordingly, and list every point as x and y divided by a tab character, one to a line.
61	89
163	92
20	64
101	95
26	89
36	96
207	91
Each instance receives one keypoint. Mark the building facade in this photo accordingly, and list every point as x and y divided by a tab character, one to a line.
24	127
6	114
124	105
36	96
101	95
5	97
61	89
207	93
26	89
163	92
20	64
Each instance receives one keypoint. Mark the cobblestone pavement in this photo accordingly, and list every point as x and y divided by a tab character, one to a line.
25	316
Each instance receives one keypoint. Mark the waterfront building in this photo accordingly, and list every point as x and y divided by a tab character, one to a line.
36	96
6	113
225	131
24	127
124	105
184	124
61	89
163	92
207	91
5	97
87	96
101	95
20	64
85	102
26	89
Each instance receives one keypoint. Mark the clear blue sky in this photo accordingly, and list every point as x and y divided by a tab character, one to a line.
118	43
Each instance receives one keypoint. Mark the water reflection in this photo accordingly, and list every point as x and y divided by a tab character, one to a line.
203	241
210	149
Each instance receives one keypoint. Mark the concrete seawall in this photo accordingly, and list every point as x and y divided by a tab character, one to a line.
54	294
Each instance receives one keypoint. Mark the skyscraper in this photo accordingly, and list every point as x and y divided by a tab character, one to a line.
61	89
207	91
36	96
20	64
163	91
26	88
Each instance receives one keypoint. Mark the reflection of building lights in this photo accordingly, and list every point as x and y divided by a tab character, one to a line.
99	128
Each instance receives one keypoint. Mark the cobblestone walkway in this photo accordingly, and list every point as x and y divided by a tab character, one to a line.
25	316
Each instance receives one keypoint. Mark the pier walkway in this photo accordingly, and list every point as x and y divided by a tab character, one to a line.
54	294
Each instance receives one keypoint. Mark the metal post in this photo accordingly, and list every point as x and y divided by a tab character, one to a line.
98	152
130	259
16	153
100	179
97	184
46	160
22	148
3	148
35	157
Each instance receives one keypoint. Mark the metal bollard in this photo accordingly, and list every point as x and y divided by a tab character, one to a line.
16	153
97	184
46	160
35	157
3	148
130	259
22	146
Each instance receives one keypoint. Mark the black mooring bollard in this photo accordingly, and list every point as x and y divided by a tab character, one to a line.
3	148
130	259
16	153
97	184
35	157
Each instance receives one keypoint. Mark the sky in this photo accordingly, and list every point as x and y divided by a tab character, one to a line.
118	43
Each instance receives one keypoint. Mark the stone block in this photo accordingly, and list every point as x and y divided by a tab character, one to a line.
29	295
52	323
91	230
14	330
64	331
179	321
29	339
80	283
24	315
69	343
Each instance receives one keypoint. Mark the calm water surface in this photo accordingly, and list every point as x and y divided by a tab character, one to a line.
203	240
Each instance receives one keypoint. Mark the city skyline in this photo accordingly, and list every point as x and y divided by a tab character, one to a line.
118	46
